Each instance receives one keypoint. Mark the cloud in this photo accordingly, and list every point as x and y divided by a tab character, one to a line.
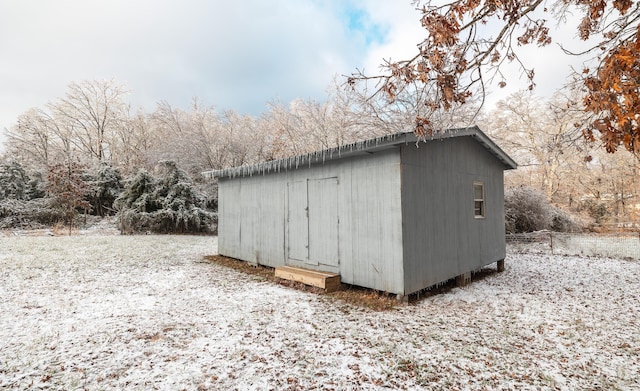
231	55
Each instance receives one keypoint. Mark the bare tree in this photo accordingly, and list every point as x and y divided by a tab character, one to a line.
284	134
407	110
84	124
526	127
93	112
543	137
202	139
134	141
170	125
38	139
608	186
29	140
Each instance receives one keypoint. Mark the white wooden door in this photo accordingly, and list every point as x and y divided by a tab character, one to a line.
298	221
323	221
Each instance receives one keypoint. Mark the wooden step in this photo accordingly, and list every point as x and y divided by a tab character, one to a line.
328	281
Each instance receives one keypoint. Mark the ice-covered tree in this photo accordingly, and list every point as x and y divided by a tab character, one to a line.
14	181
167	204
92	111
86	123
22	199
105	186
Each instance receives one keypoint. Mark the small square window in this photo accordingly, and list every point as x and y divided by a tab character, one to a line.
478	200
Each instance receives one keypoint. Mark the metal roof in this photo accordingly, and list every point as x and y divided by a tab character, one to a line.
362	148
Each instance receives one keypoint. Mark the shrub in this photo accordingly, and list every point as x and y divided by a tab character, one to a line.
169	204
528	210
22	199
30	214
36	187
562	221
596	210
68	190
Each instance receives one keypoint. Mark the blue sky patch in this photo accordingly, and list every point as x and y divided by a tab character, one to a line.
358	21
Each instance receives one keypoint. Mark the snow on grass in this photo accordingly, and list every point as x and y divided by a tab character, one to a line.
145	312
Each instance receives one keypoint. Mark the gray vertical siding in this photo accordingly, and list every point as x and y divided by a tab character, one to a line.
397	218
361	194
251	219
441	237
374	223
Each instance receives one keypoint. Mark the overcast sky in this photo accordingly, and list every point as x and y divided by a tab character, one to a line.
230	54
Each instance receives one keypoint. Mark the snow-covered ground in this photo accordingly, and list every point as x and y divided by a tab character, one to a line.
146	312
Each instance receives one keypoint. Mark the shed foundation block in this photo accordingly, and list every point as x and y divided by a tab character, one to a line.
501	265
463	279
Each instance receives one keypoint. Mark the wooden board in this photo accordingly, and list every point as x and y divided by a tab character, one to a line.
327	281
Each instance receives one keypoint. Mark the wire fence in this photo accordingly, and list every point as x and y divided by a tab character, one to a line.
615	245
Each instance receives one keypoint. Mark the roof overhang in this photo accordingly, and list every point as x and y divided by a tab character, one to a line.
363	148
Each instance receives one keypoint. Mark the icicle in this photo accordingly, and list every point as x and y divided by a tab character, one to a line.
321	156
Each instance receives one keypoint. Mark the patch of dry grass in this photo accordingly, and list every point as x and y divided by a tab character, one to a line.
362	297
351	294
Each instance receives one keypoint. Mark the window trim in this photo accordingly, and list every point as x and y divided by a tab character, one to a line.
483	201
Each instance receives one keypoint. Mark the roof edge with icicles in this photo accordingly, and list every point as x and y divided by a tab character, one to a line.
359	148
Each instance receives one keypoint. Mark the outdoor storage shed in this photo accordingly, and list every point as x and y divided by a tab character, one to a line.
395	213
